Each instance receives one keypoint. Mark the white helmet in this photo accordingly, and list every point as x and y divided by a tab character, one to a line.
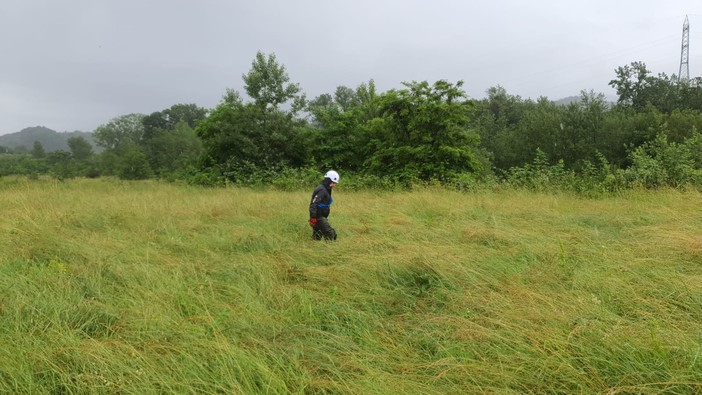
332	175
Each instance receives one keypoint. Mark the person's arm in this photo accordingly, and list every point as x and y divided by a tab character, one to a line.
314	205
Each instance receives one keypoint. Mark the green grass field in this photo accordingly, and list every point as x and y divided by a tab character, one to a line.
110	287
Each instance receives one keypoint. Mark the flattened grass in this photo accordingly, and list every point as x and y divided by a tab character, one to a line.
147	287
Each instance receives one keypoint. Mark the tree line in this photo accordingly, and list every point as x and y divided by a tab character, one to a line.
422	133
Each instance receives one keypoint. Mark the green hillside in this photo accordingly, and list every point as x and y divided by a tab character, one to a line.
49	139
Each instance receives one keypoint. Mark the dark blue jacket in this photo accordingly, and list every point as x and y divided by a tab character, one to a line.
321	200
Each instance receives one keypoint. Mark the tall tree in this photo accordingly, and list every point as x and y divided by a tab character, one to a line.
175	151
346	98
340	126
631	83
121	129
321	107
268	84
80	148
583	133
637	88
424	134
497	119
124	154
38	150
132	163
166	120
260	133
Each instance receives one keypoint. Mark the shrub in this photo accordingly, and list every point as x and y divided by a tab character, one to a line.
660	163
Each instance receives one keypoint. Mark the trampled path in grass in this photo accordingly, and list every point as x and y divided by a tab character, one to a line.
147	287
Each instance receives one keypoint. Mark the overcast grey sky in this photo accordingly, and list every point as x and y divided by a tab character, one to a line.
76	64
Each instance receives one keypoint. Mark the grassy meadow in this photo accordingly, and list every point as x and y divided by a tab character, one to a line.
110	287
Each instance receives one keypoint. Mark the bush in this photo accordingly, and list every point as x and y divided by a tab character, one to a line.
660	163
541	176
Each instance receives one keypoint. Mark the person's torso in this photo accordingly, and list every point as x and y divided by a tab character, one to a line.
322	197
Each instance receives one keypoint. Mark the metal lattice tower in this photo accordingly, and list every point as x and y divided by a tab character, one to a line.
684	73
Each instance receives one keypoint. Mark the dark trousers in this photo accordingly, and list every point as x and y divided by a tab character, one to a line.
323	230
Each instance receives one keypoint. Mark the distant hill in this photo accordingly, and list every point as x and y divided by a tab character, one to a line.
49	139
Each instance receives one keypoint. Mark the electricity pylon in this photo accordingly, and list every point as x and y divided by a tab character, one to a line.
684	73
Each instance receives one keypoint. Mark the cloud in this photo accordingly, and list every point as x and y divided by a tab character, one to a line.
76	65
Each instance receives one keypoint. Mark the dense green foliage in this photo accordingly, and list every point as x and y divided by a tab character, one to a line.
422	133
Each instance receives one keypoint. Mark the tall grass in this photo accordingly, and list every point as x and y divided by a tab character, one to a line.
144	287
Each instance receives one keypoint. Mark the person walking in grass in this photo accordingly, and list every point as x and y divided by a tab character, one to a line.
319	207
